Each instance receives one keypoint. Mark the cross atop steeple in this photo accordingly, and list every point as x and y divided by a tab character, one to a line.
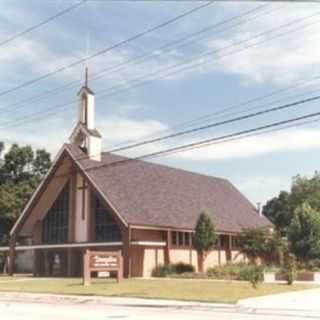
86	80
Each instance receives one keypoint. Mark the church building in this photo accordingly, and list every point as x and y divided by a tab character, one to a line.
97	200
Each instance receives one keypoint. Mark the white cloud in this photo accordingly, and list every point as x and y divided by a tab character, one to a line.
260	187
114	129
281	60
290	140
120	130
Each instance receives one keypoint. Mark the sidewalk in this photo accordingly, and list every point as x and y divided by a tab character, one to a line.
306	302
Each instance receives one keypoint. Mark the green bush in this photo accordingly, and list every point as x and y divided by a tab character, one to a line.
252	273
162	271
240	271
183	268
313	265
228	271
169	269
290	269
1	264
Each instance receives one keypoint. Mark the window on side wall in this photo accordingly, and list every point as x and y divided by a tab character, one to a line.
174	238
181	239
217	243
236	243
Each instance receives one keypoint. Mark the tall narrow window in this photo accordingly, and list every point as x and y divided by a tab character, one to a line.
106	228
55	223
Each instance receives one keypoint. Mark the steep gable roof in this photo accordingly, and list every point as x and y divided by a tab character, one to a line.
149	194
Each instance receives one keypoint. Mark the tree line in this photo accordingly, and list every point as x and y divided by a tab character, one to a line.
296	216
21	170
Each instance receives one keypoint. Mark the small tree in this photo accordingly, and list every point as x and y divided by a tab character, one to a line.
254	243
205	237
290	268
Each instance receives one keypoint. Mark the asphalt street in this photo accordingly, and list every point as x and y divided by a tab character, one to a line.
20	307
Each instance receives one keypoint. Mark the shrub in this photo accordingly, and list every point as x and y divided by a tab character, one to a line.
313	265
183	268
1	263
240	271
162	271
166	270
252	273
290	270
227	271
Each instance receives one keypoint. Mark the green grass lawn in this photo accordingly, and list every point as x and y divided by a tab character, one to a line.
209	291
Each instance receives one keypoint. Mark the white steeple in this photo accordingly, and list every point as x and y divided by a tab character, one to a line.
86	105
85	134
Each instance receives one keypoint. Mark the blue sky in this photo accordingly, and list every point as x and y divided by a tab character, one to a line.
259	166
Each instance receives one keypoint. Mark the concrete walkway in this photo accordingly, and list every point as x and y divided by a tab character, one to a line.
304	303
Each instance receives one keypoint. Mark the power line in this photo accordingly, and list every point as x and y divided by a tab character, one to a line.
107	49
187	67
209	54
216	124
245	117
202	143
40	24
207	142
290	1
253	134
140	58
224	112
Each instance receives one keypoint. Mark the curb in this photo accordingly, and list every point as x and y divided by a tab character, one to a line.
22	297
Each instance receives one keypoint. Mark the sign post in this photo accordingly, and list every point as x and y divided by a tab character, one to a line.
101	261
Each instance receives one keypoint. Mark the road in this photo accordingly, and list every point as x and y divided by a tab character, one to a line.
18	307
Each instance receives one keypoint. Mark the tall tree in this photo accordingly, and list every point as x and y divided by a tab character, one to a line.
20	172
41	162
305	190
205	237
304	232
278	211
18	163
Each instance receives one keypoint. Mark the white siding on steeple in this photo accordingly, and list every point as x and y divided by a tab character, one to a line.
94	148
86	108
84	134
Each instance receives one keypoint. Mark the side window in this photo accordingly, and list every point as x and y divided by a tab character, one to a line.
236	242
187	238
181	242
181	239
174	238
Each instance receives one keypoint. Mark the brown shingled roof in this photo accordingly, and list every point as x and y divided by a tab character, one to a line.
155	195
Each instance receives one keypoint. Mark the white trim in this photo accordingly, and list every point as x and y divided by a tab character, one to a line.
26	208
149	243
64	245
97	188
140	227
